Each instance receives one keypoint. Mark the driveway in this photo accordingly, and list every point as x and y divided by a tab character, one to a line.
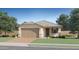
22	40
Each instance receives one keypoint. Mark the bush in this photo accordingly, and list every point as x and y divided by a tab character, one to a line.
5	35
0	35
70	36
53	37
61	36
13	35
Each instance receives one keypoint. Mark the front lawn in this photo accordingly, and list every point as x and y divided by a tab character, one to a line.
57	41
5	39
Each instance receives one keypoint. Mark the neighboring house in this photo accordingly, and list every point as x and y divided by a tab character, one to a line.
39	29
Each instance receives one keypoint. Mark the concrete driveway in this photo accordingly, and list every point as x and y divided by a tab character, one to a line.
22	40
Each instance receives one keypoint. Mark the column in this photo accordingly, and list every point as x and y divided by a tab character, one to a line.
19	32
50	32
41	33
59	31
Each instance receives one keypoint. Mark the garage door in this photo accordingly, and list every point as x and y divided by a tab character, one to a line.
30	32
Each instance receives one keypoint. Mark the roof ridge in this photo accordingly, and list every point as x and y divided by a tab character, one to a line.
43	23
46	23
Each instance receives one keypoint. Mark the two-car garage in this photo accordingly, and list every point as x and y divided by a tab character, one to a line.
31	30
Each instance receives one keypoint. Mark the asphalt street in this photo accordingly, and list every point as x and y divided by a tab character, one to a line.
34	48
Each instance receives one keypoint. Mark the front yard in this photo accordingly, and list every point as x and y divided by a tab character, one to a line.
5	39
47	40
57	41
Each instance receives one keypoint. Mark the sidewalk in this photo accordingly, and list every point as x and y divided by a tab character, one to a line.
12	44
38	44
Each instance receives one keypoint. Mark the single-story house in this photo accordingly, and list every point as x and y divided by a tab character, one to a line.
39	29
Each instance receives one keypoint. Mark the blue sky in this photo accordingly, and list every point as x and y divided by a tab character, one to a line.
36	14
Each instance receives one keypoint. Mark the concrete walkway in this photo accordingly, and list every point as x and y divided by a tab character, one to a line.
12	44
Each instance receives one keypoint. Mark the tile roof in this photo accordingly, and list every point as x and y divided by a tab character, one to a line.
43	23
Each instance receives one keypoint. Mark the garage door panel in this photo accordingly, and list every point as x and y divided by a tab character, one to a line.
30	32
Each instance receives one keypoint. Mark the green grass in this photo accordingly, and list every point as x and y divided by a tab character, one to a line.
57	41
5	39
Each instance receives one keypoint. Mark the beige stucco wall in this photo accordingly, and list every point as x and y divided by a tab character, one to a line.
26	32
41	30
41	33
59	30
28	26
19	32
65	32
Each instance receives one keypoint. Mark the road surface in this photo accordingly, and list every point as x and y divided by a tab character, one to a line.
34	48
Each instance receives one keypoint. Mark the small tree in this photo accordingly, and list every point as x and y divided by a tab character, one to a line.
7	23
74	21
63	20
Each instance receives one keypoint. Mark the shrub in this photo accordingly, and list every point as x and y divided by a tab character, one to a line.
0	35
70	36
61	36
13	35
5	35
53	37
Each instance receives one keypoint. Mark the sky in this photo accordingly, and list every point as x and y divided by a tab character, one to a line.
36	14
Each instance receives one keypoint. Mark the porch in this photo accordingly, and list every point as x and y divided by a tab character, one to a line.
50	31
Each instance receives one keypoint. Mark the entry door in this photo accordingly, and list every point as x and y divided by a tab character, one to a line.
47	32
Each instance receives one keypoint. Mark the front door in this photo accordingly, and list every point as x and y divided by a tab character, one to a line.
47	32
